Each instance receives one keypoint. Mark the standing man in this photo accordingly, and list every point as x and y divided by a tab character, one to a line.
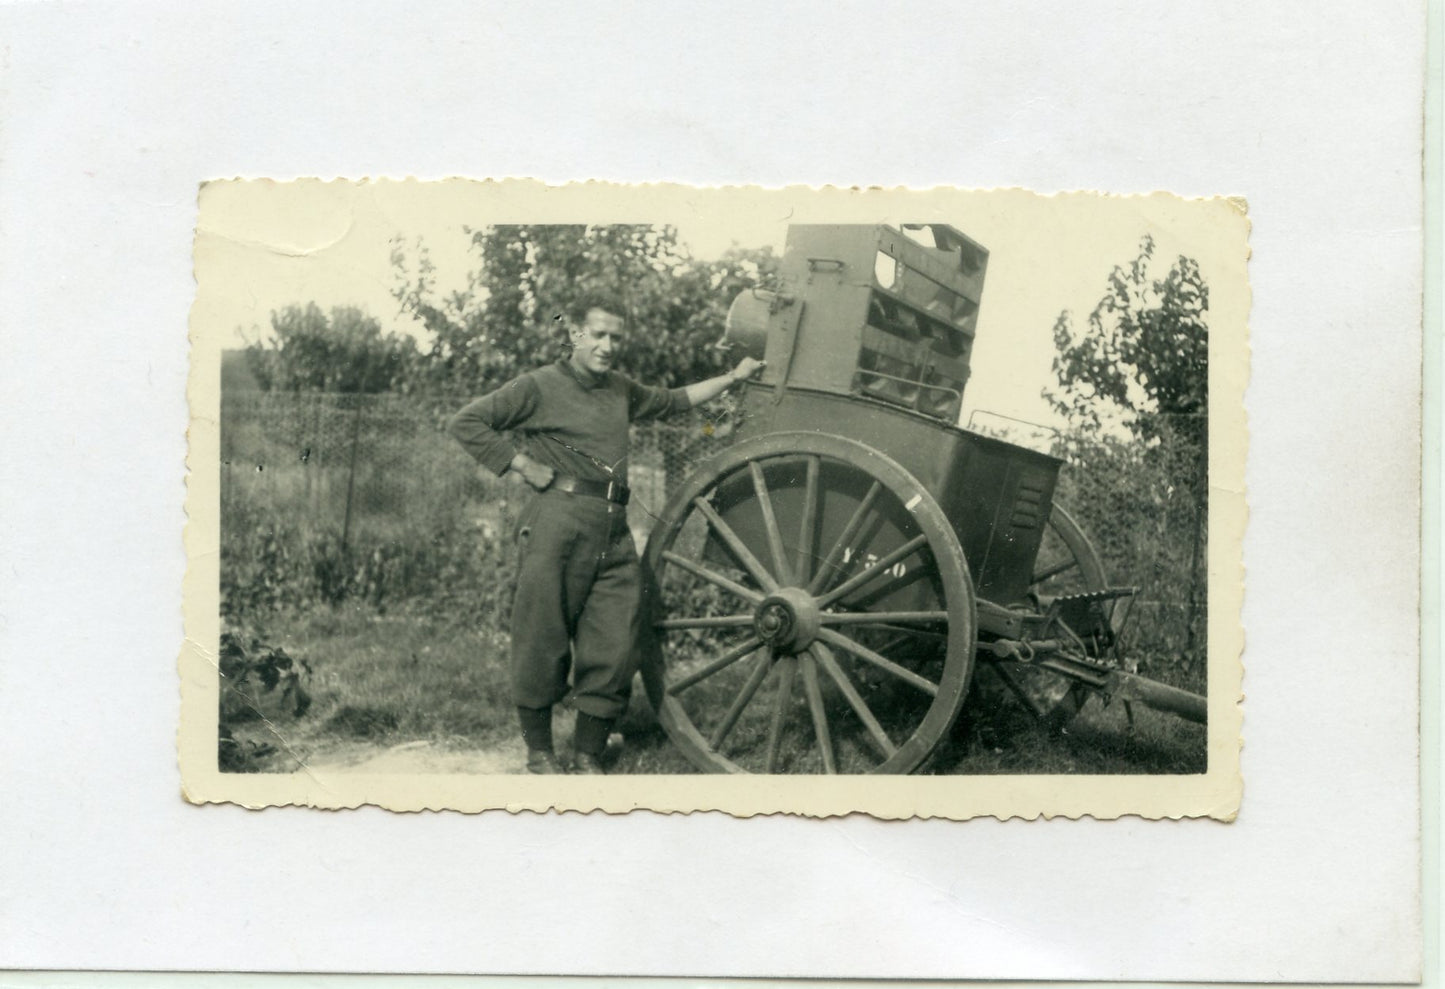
564	430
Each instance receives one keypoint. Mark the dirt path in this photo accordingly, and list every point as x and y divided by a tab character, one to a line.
421	758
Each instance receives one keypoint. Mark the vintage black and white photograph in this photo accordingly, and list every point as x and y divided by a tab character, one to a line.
698	482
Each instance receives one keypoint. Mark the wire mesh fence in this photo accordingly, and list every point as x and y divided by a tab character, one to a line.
359	465
344	463
325	497
1144	507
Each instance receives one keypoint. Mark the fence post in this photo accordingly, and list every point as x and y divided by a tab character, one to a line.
311	444
351	475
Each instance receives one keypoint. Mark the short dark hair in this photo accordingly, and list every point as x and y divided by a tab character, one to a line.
578	309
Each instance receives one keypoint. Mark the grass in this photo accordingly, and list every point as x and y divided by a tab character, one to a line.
1005	738
382	680
387	679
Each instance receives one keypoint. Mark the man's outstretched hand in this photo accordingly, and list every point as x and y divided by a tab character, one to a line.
747	367
706	391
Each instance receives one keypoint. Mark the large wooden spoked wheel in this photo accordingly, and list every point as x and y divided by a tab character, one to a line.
1067	564
801	586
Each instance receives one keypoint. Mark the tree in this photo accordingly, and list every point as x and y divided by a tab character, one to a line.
511	316
1145	355
345	352
1134	389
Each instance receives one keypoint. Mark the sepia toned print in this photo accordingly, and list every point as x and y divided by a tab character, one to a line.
909	504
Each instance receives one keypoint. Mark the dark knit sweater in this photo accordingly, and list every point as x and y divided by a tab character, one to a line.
573	423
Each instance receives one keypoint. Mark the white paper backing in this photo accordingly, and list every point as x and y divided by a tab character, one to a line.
111	114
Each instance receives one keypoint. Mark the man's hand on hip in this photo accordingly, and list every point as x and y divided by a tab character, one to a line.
538	475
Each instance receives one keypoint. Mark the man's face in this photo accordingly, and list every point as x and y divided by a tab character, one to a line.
596	343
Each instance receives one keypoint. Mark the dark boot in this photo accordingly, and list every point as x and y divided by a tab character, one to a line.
543	762
537	733
587	764
590	742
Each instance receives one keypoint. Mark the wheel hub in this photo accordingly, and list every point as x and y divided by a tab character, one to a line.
788	619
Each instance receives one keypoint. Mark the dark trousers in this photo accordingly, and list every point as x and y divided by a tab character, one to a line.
579	589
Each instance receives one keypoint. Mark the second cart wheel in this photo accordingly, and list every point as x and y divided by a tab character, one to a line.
801	585
1067	564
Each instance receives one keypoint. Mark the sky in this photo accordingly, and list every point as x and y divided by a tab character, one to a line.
262	246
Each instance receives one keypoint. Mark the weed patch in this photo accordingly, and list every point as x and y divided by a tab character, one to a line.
363	722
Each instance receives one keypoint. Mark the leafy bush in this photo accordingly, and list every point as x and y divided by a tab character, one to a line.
258	683
270	562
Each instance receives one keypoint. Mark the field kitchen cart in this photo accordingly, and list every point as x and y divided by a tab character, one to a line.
821	590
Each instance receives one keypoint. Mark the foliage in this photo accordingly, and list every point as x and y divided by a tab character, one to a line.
512	315
417	536
1144	358
510	318
1134	389
258	683
343	352
330	500
1142	512
273	561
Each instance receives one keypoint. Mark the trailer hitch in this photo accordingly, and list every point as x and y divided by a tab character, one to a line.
1064	658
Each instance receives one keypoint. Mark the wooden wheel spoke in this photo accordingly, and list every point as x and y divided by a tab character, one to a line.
739	549
825	571
741	701
705	621
883	617
770	524
873	570
882	662
803	569
788	668
712	577
855	700
908	635
745	648
814	693
1053	571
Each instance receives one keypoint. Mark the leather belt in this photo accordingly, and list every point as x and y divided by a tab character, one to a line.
613	491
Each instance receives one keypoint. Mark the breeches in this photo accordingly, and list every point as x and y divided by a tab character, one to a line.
579	588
